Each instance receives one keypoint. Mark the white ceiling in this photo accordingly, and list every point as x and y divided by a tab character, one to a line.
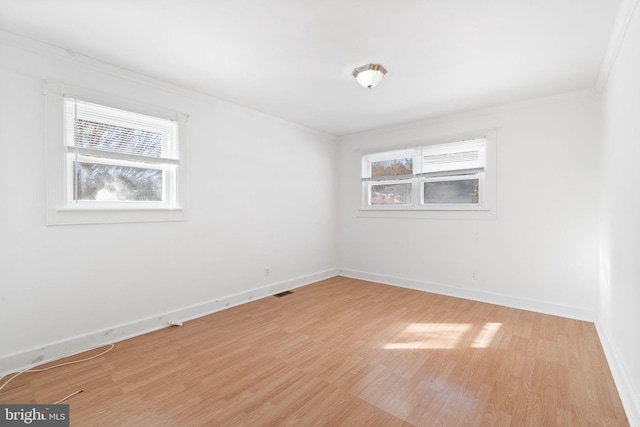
293	58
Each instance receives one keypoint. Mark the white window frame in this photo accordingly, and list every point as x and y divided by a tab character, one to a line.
482	168
62	208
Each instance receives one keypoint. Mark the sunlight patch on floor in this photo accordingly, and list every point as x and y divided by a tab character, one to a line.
430	335
442	336
486	335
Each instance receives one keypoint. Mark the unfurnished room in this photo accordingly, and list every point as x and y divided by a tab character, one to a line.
320	213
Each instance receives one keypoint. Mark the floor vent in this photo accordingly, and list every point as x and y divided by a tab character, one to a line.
283	294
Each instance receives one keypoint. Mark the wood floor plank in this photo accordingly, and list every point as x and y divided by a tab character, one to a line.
344	352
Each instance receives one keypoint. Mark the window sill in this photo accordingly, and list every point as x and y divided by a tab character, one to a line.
439	213
92	215
440	208
115	208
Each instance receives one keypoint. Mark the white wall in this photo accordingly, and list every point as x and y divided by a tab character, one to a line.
619	298
261	193
541	251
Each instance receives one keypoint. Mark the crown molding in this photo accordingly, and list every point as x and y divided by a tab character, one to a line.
625	14
59	53
54	52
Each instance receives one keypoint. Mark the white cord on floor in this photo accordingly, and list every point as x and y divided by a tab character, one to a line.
111	346
72	394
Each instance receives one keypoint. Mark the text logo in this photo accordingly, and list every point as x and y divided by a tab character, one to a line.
34	415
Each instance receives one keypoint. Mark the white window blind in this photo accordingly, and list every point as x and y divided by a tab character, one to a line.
99	131
453	157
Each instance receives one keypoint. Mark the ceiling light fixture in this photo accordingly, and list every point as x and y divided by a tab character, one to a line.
369	75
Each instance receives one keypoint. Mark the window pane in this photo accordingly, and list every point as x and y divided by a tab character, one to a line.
454	191
391	194
94	181
392	167
103	136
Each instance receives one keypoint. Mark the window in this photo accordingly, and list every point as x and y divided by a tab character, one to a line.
433	177
108	164
389	178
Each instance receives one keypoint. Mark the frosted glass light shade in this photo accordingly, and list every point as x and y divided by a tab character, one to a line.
369	75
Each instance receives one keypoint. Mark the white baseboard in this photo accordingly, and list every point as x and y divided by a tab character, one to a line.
630	400
56	350
545	307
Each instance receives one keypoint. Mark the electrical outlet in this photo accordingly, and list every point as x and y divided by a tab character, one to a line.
474	275
267	272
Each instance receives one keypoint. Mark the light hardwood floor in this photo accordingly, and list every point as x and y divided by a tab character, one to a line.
344	352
